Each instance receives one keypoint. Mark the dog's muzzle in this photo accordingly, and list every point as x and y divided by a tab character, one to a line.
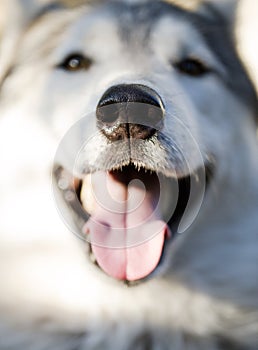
125	224
124	202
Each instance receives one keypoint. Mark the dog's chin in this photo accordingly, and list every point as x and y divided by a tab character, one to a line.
128	216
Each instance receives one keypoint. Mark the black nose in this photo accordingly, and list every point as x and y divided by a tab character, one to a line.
129	111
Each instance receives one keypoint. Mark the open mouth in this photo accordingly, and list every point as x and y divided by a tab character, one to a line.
129	215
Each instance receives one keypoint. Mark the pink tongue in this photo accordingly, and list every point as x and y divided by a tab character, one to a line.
127	235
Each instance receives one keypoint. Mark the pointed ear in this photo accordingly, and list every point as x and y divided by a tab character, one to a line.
226	8
11	22
15	15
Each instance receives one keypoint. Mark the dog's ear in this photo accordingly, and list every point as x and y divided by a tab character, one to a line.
226	9
15	16
10	25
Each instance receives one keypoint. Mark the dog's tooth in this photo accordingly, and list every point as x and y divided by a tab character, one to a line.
63	183
87	196
69	196
196	176
92	258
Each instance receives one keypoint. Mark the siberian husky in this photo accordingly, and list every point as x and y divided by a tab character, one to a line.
136	121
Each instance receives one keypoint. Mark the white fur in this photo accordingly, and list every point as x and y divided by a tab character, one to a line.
52	297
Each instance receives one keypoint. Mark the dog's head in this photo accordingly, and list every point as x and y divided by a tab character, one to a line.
152	94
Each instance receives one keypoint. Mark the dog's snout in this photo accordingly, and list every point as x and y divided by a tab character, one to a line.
130	111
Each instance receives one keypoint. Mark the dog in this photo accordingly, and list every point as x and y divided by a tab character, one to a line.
133	125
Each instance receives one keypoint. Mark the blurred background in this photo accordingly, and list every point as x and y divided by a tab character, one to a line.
246	30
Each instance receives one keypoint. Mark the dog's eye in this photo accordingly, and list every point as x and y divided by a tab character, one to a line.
192	67
76	62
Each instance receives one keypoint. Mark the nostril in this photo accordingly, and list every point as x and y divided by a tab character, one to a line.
108	114
145	114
